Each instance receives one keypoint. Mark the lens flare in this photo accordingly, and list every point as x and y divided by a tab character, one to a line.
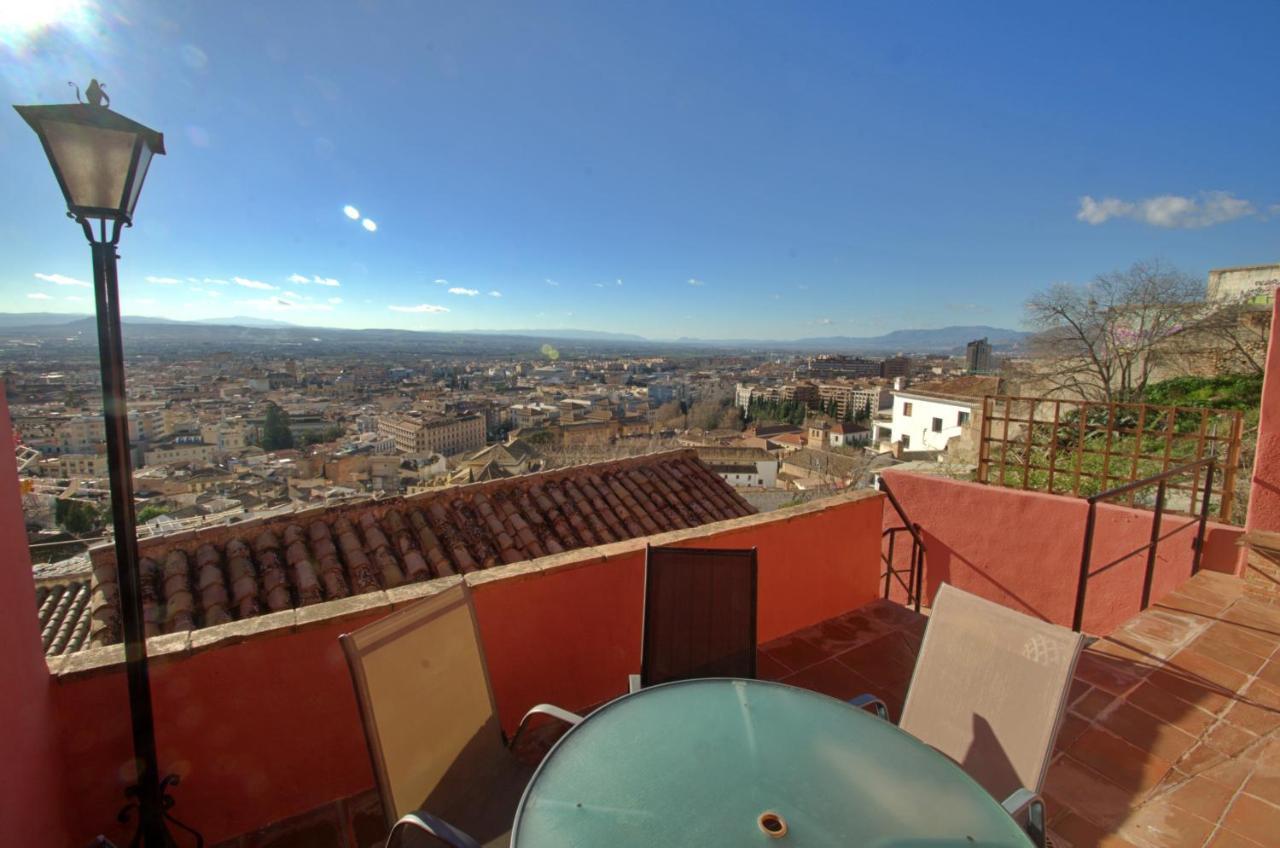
351	212
369	225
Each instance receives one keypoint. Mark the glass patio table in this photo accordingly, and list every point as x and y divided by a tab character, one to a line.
722	762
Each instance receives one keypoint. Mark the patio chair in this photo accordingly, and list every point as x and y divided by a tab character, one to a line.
699	615
443	768
989	691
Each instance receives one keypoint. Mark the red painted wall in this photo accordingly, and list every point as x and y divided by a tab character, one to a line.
811	567
31	792
268	728
1022	549
259	731
1264	493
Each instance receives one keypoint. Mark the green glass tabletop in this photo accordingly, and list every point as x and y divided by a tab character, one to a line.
744	762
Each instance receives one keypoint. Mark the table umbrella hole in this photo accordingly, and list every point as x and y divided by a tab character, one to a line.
773	825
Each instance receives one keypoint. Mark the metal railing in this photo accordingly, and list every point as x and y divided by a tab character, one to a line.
914	584
1161	481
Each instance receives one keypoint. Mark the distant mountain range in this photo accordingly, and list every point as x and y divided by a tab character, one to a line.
940	340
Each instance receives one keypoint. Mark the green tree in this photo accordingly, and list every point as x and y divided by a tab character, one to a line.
151	511
276	434
76	517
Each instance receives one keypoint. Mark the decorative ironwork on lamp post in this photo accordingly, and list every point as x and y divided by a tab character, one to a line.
100	159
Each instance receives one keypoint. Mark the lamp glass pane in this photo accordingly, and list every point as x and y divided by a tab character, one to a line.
144	161
93	162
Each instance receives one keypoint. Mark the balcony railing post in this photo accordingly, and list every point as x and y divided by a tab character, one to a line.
1153	546
1077	620
888	564
917	551
1204	517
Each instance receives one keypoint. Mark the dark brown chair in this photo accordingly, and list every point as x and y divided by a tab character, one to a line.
699	615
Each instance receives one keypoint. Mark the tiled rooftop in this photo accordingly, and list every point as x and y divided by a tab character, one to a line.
220	574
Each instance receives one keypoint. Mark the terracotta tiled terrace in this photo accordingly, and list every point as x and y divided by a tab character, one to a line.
1171	739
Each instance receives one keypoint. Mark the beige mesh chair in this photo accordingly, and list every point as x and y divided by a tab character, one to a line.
443	768
989	690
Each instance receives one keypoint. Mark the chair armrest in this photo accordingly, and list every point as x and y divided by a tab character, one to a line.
864	701
547	710
1027	809
633	683
421	821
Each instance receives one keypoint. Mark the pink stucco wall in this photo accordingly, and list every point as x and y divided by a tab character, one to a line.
1022	549
31	791
1264	491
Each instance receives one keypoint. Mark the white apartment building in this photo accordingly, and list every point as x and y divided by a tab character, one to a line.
927	416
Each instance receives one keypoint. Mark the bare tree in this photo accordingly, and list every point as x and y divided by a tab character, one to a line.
1102	340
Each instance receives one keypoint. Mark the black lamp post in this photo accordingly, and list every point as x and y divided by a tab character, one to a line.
100	159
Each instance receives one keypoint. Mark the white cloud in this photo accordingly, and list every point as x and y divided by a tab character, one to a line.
215	281
253	284
280	304
1168	210
40	296
825	322
598	285
326	281
351	212
441	282
495	294
465	292
299	279
335	300
63	280
552	283
421	307
193	279
292	295
369	225
163	281
696	282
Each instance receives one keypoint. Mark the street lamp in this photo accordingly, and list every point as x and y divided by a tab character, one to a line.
100	160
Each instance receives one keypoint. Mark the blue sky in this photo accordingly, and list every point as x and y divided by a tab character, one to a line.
693	168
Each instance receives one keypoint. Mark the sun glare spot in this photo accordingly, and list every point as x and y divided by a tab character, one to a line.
369	225
351	212
22	22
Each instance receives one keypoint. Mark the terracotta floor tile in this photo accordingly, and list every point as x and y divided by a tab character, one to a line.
1181	603
1228	739
1227	654
1199	759
1201	796
1171	710
1263	618
1127	766
1254	819
1147	732
1208	670
1160	824
1078	688
1270	672
1265	787
1263	694
1072	785
794	652
1115	675
1093	704
881	661
1254	718
1232	773
832	678
840	634
1194	691
1226	839
769	668
1160	628
1242	638
1080	833
1072	727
